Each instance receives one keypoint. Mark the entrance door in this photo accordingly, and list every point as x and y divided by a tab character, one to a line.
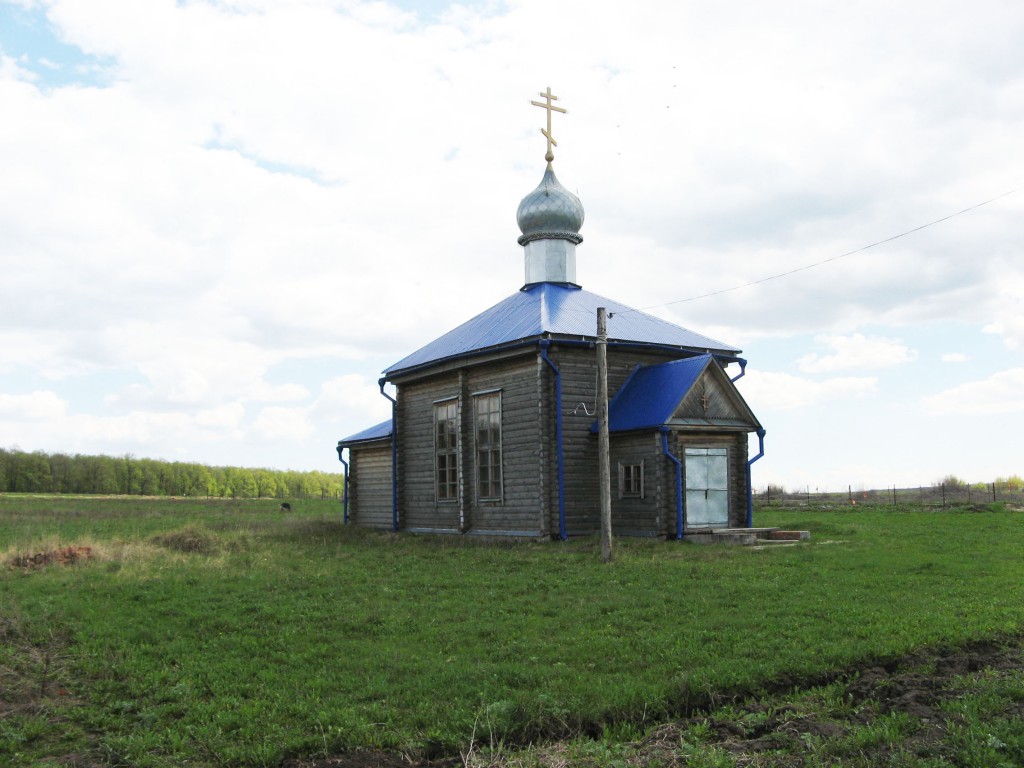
707	488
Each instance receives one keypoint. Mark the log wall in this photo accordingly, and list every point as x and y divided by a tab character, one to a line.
370	490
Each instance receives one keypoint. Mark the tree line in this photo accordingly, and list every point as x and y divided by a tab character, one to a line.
40	472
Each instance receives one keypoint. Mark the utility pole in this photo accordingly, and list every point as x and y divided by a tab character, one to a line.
603	453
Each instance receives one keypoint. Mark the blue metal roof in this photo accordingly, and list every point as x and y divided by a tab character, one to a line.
561	310
376	432
652	393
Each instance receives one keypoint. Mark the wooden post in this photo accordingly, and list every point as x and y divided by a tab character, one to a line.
603	452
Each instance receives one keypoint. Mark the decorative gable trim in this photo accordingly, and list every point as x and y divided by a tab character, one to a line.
714	400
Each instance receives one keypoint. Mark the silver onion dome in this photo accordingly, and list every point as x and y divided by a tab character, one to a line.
550	212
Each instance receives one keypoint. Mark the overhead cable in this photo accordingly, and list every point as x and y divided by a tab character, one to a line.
826	261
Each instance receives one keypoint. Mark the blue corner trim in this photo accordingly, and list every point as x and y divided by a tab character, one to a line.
344	492
562	533
394	456
750	486
743	369
680	516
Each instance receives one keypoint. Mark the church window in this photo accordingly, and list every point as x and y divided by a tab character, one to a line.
446	441
488	446
631	480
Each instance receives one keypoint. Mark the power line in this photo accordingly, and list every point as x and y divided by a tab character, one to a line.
833	258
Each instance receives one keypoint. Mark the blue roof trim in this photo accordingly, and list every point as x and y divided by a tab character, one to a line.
557	309
376	432
652	393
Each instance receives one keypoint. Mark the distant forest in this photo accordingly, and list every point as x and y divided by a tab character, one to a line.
39	472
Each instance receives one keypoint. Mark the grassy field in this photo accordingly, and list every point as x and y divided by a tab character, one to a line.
215	633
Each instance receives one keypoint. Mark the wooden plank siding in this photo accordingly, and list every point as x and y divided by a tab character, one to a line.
643	516
708	400
579	398
418	506
519	509
370	489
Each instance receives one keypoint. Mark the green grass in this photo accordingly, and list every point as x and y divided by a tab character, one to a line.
26	519
219	633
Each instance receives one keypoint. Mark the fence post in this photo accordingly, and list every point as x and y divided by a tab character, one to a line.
943	486
894	494
993	491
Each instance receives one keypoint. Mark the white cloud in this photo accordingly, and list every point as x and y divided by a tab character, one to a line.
9	69
954	357
856	352
228	417
288	425
1000	393
783	391
35	406
323	180
351	397
1008	304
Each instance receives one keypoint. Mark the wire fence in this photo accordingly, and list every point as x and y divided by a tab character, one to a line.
942	495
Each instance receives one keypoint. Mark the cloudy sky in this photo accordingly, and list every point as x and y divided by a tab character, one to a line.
220	220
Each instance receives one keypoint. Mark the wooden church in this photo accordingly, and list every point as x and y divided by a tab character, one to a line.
493	427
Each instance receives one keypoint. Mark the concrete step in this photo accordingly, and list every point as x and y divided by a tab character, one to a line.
741	537
745	536
777	535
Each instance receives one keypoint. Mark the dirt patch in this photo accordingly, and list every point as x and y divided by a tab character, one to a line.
370	759
188	540
61	556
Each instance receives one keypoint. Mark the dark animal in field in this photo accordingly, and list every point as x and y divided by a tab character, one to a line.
286	507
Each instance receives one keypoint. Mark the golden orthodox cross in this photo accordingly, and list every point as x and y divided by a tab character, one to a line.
549	97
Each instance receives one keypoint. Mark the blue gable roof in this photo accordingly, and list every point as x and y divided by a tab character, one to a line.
651	394
560	310
376	432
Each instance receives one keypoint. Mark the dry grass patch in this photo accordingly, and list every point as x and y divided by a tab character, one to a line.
168	548
190	540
